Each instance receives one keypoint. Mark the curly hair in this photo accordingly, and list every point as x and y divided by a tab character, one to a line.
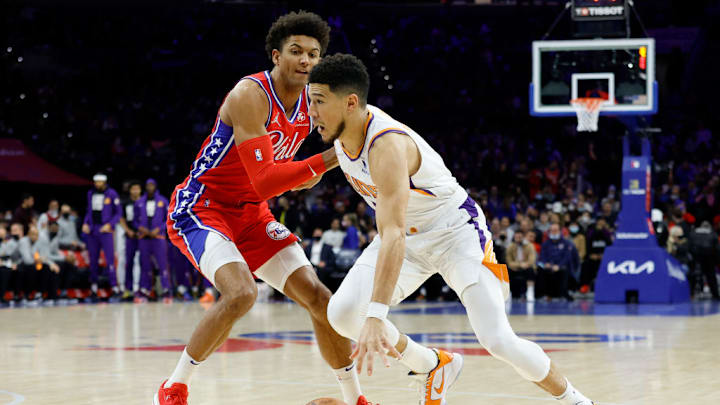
297	23
342	73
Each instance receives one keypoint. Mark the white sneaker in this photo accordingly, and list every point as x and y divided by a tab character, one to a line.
433	386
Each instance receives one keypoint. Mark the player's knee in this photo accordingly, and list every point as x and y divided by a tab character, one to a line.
342	314
497	345
237	302
318	303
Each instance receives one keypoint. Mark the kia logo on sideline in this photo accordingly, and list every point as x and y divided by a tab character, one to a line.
631	268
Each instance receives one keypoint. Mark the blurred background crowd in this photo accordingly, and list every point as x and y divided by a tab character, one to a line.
131	90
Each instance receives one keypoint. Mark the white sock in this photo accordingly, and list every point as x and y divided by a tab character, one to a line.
571	396
418	358
94	288
349	384
183	371
530	294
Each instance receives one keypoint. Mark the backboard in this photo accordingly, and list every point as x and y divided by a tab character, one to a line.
622	71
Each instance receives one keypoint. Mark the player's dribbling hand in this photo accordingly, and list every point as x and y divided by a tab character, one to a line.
309	184
373	339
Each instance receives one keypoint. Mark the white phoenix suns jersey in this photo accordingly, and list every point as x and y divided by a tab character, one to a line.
436	200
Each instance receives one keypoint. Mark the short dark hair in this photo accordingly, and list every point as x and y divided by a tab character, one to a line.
343	72
297	23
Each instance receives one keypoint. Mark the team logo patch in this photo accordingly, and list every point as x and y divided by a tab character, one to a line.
277	231
301	116
258	155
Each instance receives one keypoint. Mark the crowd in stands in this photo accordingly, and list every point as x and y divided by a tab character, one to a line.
552	244
549	194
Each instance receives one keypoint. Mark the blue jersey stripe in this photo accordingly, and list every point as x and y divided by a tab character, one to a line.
221	141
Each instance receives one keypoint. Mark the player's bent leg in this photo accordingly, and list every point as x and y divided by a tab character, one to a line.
289	271
434	371
304	287
486	310
238	289
485	307
223	265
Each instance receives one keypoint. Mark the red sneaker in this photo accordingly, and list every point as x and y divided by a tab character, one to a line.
175	395
363	401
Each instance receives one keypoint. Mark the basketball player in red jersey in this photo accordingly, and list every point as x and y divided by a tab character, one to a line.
219	217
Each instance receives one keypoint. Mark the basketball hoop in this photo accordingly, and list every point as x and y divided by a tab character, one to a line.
588	112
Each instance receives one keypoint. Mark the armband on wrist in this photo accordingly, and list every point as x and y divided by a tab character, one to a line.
377	310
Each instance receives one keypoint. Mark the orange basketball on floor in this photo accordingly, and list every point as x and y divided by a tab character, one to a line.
326	401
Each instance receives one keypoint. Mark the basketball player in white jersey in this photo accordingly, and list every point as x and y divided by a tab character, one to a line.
427	224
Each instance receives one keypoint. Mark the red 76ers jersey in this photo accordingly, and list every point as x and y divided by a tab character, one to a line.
218	174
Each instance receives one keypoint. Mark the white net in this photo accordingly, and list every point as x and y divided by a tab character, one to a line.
588	113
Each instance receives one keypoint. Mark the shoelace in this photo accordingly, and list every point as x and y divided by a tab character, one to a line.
421	382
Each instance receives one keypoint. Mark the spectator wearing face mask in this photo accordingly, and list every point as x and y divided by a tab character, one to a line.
52	214
66	263
352	233
323	259
558	259
508	230
40	273
67	232
578	238
9	260
521	258
500	241
598	238
679	248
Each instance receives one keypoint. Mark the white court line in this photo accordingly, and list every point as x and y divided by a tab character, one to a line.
16	398
303	383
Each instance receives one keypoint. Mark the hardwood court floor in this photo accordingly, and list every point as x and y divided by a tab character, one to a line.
119	354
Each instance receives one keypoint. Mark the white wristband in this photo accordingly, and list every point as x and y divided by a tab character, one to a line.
377	310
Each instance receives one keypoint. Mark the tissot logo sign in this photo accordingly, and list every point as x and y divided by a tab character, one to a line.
630	267
599	12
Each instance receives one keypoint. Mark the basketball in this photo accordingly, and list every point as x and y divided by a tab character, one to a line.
326	401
